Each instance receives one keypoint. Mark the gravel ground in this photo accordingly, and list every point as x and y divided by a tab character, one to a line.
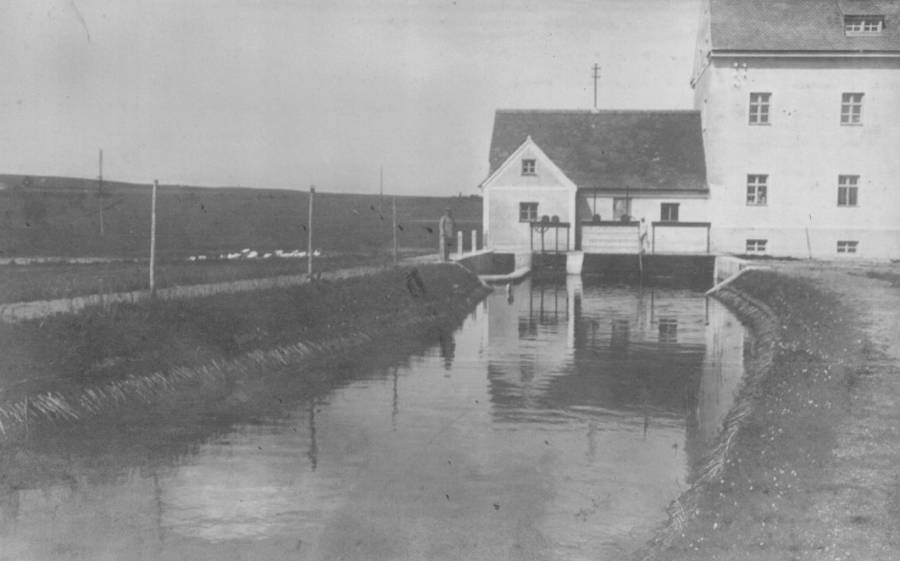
813	473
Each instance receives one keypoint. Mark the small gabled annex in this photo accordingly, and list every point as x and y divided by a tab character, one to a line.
593	172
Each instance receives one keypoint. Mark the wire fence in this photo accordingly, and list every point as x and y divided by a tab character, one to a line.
206	236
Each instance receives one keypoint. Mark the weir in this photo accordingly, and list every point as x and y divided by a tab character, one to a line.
701	270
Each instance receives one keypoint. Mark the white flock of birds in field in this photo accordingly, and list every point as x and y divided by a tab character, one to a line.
253	254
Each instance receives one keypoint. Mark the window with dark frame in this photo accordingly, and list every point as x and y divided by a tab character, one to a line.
863	24
848	190
668	212
847	246
759	108
528	212
668	330
528	166
756	246
757	189
851	108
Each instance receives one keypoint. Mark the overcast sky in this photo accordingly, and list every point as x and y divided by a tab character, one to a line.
288	93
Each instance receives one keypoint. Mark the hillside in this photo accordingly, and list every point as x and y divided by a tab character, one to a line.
53	216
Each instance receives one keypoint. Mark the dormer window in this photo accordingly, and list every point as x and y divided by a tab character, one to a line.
863	25
528	166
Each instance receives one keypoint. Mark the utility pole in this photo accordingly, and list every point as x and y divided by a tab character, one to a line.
309	233
100	192
394	213
596	80
153	240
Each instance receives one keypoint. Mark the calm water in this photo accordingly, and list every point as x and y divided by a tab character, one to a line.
557	423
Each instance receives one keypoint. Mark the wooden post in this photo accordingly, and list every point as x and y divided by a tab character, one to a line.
442	246
100	192
309	232
153	239
474	241
394	215
459	241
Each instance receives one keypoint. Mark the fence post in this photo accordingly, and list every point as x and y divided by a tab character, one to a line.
474	241
442	246
394	215
309	232
459	241
153	239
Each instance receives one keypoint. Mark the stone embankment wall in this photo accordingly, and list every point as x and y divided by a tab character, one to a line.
762	325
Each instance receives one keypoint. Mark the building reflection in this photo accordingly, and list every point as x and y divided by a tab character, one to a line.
647	352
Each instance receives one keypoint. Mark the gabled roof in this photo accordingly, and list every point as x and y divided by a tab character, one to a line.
800	25
640	150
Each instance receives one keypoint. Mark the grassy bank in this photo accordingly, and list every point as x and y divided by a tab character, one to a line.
807	354
206	337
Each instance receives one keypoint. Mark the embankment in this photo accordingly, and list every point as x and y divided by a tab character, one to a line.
755	496
103	361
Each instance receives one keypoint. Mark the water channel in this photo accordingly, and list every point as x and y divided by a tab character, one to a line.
557	422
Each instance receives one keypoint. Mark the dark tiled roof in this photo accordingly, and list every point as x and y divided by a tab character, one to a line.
643	150
800	25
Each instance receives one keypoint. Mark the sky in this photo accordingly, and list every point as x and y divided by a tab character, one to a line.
293	93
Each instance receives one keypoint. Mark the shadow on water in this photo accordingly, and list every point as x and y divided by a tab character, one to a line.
558	421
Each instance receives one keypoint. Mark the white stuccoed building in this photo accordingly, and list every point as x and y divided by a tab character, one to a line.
800	106
793	148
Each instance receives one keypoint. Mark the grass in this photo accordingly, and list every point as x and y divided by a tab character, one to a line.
140	339
47	216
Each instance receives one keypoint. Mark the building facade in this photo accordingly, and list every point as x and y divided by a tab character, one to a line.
800	104
791	150
599	181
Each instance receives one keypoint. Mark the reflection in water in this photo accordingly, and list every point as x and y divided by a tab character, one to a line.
572	418
448	348
313	453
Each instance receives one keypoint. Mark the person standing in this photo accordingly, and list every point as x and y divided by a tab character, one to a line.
447	228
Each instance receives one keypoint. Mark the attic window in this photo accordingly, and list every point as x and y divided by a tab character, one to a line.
863	25
528	166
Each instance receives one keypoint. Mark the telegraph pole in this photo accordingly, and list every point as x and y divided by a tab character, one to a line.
100	192
394	214
309	233
153	239
596	69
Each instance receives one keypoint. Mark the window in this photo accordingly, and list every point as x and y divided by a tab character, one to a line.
528	167
668	330
863	25
848	186
851	108
756	246
757	189
759	108
621	209
668	212
528	212
847	246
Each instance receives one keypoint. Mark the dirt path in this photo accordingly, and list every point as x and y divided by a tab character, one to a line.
21	311
857	502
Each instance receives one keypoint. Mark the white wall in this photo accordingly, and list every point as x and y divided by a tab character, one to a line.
803	150
552	191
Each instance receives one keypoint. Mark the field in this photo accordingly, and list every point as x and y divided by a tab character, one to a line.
60	217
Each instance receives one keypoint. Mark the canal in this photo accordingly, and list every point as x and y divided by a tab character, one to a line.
558	422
